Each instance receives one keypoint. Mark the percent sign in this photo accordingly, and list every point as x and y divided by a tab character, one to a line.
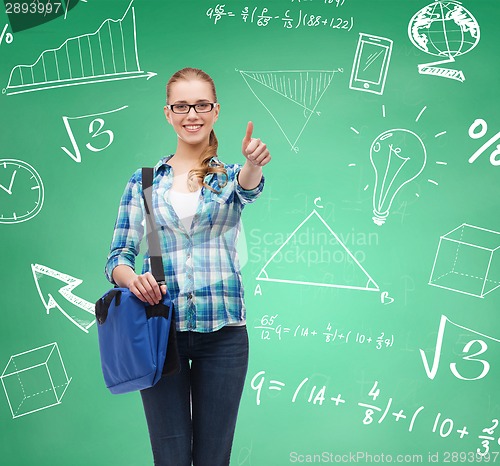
8	37
482	126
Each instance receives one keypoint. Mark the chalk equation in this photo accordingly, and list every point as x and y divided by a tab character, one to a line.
486	439
270	329
95	130
262	17
336	3
375	411
470	364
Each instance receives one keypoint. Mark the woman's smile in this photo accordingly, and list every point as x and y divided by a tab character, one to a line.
192	128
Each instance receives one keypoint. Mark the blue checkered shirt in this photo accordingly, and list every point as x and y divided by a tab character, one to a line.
202	270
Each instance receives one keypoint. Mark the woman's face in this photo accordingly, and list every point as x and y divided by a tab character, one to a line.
192	128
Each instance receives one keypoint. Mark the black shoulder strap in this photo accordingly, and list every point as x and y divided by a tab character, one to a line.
152	234
172	362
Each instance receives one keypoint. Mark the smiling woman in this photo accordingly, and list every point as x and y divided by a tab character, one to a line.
194	128
198	202
193	123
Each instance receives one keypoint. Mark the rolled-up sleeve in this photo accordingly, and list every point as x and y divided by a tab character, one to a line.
129	228
246	196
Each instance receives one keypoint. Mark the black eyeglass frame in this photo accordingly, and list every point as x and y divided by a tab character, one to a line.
190	106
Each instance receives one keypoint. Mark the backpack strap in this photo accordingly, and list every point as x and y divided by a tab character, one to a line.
151	230
172	362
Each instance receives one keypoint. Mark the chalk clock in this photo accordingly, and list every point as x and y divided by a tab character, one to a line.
21	191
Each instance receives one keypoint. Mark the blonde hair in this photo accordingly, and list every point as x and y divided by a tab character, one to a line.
211	150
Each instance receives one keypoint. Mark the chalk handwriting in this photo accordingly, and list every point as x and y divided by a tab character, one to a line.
487	438
482	365
375	410
331	333
263	17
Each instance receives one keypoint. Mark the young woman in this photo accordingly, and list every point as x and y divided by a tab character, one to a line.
197	202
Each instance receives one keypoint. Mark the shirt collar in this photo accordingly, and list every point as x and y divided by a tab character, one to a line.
163	163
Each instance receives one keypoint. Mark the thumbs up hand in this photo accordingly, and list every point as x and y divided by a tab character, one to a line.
254	150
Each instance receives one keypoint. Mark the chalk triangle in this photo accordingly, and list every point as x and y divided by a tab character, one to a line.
290	97
314	255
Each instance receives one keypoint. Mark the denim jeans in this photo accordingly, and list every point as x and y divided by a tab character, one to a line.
192	415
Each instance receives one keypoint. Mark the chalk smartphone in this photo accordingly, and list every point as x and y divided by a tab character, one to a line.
371	63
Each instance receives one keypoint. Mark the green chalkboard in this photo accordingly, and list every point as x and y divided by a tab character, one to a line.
371	261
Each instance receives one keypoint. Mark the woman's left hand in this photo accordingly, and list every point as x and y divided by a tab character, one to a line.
254	150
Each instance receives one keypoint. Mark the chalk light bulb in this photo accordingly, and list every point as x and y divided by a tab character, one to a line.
398	156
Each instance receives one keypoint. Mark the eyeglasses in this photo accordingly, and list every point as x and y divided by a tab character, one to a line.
202	107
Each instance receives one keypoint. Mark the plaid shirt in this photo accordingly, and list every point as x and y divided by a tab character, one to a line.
202	270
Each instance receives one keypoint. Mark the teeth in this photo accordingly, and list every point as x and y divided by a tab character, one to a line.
193	126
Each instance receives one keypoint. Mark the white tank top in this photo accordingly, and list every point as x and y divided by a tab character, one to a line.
185	205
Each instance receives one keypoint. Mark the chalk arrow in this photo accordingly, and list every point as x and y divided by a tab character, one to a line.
82	322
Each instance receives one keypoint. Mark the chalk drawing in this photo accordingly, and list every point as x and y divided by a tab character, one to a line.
467	261
108	54
290	97
294	259
35	380
77	310
444	29
371	63
21	191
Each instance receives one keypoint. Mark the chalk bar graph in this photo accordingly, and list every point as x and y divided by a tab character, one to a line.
108	54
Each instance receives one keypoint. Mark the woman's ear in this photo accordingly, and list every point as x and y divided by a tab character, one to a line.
216	112
168	114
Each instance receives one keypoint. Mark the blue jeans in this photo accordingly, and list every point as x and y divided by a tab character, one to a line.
192	415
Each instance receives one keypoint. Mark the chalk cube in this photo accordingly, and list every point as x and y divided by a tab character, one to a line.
35	380
467	261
